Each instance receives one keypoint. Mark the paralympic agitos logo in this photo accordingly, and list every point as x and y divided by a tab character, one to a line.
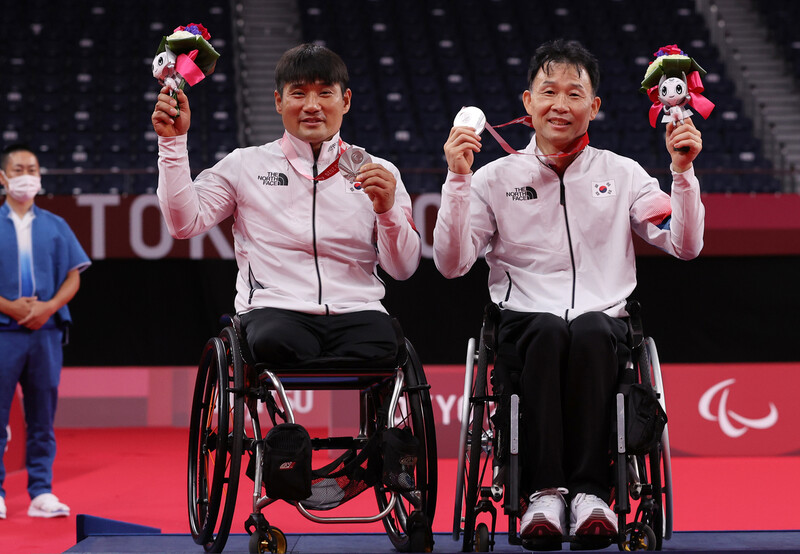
730	422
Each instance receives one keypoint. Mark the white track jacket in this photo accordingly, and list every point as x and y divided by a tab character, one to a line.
563	246
302	245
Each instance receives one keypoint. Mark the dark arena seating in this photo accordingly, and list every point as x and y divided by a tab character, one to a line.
76	82
414	64
781	20
77	85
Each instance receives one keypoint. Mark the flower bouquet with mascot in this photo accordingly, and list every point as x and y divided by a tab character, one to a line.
672	82
185	56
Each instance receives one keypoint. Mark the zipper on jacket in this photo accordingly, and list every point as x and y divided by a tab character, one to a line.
253	282
569	242
314	235
508	290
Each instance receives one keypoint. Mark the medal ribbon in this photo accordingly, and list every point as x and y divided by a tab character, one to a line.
291	154
526	120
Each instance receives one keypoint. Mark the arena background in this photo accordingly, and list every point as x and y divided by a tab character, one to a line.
76	84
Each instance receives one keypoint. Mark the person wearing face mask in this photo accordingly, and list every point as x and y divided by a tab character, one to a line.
556	222
40	263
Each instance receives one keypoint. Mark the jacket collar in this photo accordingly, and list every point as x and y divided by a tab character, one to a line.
327	153
533	148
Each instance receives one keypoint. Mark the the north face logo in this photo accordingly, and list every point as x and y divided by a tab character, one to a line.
273	179
522	194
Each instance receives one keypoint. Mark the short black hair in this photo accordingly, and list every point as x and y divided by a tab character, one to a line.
567	52
309	63
10	149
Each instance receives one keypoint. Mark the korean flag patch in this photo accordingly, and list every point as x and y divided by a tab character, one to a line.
601	189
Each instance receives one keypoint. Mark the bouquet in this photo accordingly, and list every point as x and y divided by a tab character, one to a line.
185	56
672	81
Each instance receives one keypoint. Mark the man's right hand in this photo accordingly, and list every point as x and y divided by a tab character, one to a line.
165	118
460	149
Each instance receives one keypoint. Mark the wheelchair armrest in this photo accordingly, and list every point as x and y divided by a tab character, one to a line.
636	330
491	322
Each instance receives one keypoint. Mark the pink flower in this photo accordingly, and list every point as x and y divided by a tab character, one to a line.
671	49
195	29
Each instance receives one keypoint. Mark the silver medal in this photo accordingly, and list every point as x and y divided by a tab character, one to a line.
351	161
472	117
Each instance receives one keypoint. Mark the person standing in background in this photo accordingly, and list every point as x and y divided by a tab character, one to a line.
40	266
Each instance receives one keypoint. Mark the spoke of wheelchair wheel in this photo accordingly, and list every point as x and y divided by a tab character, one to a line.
483	470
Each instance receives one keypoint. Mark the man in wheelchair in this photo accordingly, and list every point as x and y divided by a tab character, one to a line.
308	236
562	265
313	218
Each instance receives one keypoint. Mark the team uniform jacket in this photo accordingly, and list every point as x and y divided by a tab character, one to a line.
301	244
563	246
56	251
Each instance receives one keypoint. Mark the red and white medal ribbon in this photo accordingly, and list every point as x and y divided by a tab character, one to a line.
471	116
291	154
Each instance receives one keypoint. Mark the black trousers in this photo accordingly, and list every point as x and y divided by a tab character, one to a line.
567	387
284	336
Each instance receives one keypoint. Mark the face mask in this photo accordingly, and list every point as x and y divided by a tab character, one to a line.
24	187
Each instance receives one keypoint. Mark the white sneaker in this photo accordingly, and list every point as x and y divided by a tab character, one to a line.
589	515
546	515
47	505
2	508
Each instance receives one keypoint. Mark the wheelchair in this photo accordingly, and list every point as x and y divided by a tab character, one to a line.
393	394
643	476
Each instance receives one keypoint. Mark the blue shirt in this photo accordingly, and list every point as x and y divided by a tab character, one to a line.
55	252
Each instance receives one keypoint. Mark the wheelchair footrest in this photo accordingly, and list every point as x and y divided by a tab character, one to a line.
591	543
542	543
338	443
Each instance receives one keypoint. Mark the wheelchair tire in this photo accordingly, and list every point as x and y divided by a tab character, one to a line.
409	529
465	418
482	538
476	455
656	465
666	455
215	441
274	542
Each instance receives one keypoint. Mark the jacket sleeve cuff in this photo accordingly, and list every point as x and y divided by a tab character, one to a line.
173	147
684	180
457	183
393	217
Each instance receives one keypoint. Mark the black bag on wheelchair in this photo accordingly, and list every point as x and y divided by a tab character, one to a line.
400	450
287	462
644	418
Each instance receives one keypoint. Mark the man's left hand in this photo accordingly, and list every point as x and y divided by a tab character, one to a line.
684	143
379	184
38	316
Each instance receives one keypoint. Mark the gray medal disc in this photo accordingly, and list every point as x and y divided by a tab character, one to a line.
351	161
470	116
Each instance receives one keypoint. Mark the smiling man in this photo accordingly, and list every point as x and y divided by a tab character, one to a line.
307	239
556	222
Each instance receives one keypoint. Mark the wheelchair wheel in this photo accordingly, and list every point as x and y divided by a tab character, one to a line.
274	541
638	537
215	441
666	457
482	538
655	510
409	528
474	446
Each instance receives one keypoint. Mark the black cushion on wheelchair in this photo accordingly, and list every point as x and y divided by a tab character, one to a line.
333	364
330	365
